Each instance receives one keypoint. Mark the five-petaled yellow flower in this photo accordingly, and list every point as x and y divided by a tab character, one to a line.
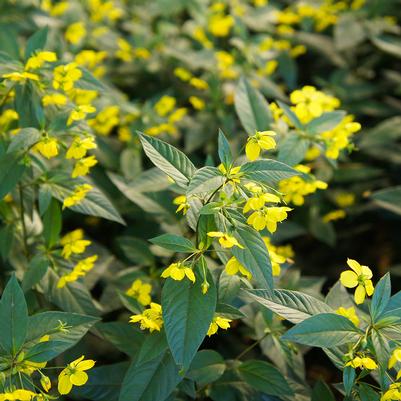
261	140
80	146
150	318
363	363
73	242
47	147
177	271
182	203
218	322
349	313
74	374
233	266
140	291
225	240
359	277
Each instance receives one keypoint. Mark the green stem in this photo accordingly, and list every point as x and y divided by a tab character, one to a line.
252	346
22	217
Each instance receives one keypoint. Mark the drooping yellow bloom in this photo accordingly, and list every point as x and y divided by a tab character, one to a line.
75	32
77	196
82	96
277	254
233	174
199	83
233	266
182	74
344	199
334	215
79	270
74	374
197	103
268	217
349	313
80	112
124	51
7	117
83	166
225	240
80	146
106	120
47	147
395	357
363	363
258	198
261	140
93	61
165	105
54	99
37	61
150	318
360	277
73	243
182	203
140	291
64	76
20	76
20	395
218	322
46	383
220	25
177	271
393	393
177	115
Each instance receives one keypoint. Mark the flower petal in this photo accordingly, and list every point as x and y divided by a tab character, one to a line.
355	266
359	295
349	279
79	378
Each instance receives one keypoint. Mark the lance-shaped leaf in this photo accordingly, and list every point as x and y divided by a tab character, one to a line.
267	171
380	297
325	122
326	330
225	154
11	171
294	306
206	179
187	314
13	318
173	242
168	159
252	108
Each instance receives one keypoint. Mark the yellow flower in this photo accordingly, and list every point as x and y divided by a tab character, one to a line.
182	73
83	166
345	199
79	270
233	266
37	61
199	83
358	277
20	395
233	174
125	50
77	196
56	99
80	112
259	198
20	76
393	393
363	363
197	102
268	217
395	357
140	291
261	140
220	25
334	215
92	60
218	322
82	96
46	383
47	147
150	318
75	33
278	255
182	203
177	115
73	242
349	313
177	271
106	120
7	117
225	240
199	34
80	146
74	374
165	105
64	76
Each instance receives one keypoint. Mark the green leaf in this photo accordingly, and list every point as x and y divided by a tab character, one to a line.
225	154
349	375
292	149
28	106
37	268
326	330
151	380
389	198
36	42
206	179
264	377
254	256
45	351
291	115
252	108
206	367
388	44
294	306
136	250
367	393
174	242
187	314
52	223
381	297
267	171
325	122
24	139
321	391
13	318
11	171
168	159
